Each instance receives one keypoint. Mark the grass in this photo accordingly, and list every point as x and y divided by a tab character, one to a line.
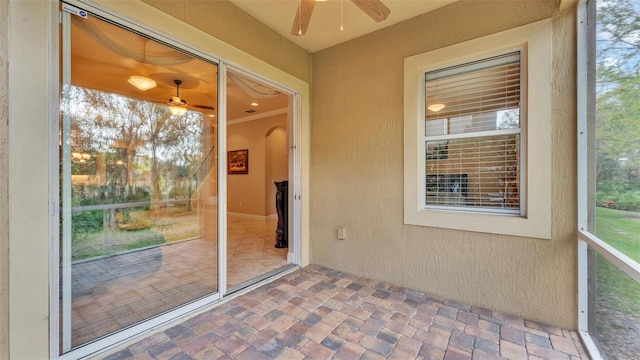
620	229
136	228
96	244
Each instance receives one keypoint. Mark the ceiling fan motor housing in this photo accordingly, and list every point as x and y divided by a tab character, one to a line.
176	100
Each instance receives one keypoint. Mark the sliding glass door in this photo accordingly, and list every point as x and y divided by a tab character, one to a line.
174	181
258	166
138	179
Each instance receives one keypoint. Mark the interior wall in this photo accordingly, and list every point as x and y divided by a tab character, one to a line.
277	165
246	193
4	218
357	171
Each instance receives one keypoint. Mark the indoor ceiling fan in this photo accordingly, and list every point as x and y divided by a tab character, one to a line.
179	106
374	8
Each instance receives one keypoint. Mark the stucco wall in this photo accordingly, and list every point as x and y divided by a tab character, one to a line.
4	219
357	171
227	22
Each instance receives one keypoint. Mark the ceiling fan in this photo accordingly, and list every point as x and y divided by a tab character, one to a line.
179	106
374	8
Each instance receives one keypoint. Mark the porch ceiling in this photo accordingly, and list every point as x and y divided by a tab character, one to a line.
104	56
324	27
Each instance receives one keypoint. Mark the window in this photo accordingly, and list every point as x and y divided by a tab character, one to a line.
473	112
472	136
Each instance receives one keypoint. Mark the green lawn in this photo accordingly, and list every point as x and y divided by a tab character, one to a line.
95	244
620	229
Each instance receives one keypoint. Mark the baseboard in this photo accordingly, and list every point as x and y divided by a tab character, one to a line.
253	217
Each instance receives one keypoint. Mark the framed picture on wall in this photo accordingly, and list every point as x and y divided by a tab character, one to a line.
238	162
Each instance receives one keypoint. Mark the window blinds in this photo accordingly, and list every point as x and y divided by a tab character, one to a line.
472	145
475	88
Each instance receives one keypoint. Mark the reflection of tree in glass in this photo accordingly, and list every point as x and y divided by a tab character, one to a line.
509	119
140	140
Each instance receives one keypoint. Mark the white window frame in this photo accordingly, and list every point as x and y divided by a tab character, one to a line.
534	40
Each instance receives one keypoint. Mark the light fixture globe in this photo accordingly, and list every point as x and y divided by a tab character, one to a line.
178	110
435	107
142	83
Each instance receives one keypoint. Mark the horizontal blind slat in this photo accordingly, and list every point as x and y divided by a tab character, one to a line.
476	172
483	86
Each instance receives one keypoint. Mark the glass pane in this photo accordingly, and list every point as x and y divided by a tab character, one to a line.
138	181
486	121
617	125
615	298
615	322
478	96
474	173
257	181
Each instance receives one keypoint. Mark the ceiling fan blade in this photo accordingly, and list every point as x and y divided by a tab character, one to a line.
374	8
303	17
206	107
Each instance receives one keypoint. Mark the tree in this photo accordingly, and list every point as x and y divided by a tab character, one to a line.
618	92
132	132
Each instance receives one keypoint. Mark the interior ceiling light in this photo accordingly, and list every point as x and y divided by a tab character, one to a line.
178	110
142	83
177	106
435	107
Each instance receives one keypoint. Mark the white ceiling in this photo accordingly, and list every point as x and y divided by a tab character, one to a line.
324	28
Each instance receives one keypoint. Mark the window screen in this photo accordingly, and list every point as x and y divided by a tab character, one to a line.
473	136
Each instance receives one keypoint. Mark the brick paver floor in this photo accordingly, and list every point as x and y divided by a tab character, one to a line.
320	313
114	292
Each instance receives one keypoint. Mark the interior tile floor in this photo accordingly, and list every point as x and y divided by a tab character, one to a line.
111	293
251	249
320	313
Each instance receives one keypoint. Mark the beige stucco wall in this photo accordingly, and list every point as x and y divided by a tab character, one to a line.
4	219
247	193
357	171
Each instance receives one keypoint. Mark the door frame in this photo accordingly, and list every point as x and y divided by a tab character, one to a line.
294	168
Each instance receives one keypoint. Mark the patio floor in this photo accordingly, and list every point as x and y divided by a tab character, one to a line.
114	292
320	313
